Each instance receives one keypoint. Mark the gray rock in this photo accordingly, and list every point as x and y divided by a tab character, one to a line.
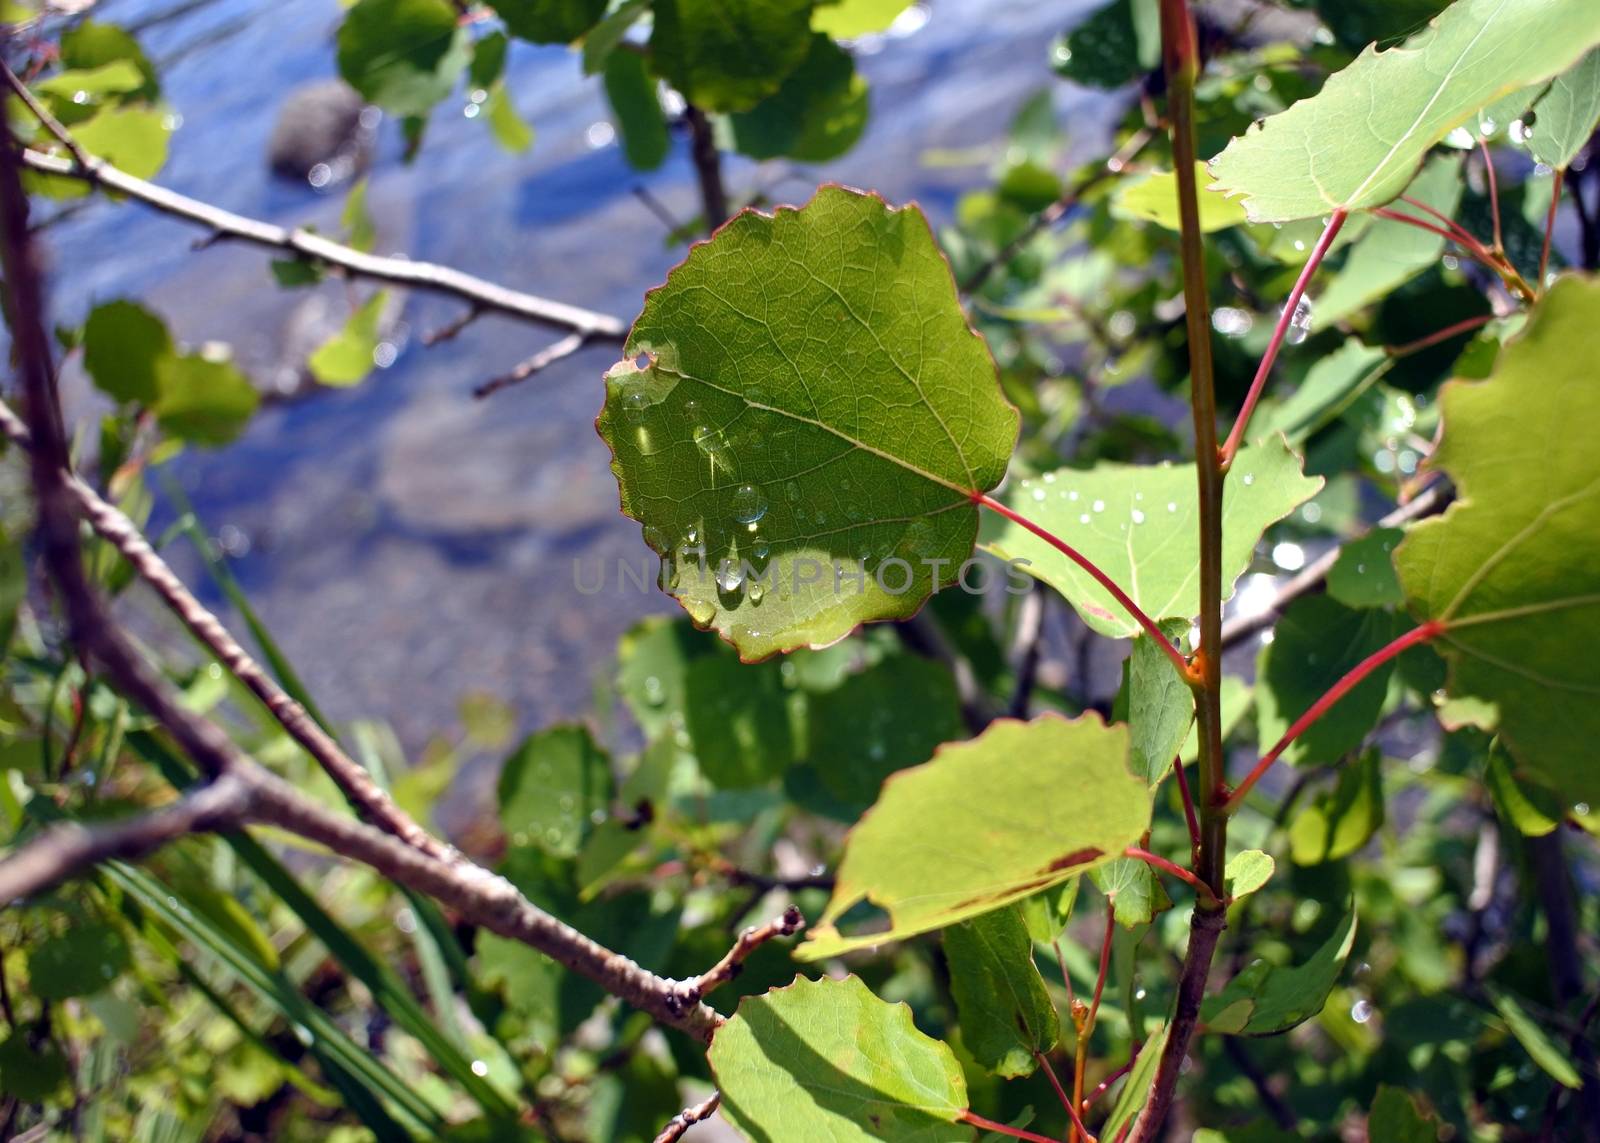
321	124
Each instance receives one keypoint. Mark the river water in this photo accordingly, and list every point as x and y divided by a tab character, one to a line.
406	543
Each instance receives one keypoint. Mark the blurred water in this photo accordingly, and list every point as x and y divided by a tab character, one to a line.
405	542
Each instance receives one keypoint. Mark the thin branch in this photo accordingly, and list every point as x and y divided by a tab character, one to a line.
546	357
1026	648
1454	329
973	1119
481	897
1105	1085
1188	807
224	224
1061	1094
688	1117
1494	192
1321	707
451	329
707	166
1205	929
369	799
1279	332
1100	577
1311	577
1157	862
1550	226
68	849
732	962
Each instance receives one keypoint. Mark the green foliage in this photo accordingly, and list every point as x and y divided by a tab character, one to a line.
828	1059
403	55
1266	998
1565	116
910	854
347	357
1006	1013
549	788
1506	568
1137	523
728	55
1358	142
740	445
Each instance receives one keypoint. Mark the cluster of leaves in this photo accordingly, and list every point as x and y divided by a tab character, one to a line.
807	426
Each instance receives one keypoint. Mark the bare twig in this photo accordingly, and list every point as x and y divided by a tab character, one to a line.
481	897
369	799
451	329
688	1117
707	166
546	357
224	224
1026	647
66	849
1426	503
732	963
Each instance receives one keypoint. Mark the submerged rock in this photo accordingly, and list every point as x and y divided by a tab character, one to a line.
322	133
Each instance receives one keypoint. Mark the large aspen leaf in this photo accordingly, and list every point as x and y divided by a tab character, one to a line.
1513	568
1139	524
826	1059
1021	808
809	423
1357	142
1567	114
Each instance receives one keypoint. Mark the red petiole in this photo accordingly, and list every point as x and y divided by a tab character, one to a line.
1100	577
1279	332
973	1119
1321	707
1178	871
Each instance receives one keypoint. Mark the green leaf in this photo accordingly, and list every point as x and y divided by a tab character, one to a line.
346	357
90	45
132	139
738	719
549	21
549	788
1046	914
118	77
1316	643
1134	889
1395	1118
1357	142
13	587
728	55
31	1073
1136	1087
826	1059
507	127
1364	575
1340	822
1160	706
1566	115
1329	386
1247	871
865	729
1388	253
850	19
1266	999
1115	45
403	55
1154	198
123	347
1533	809
744	438
1533	1038
1509	568
1137	523
488	64
1005	1010
1057	799
636	109
203	401
359	229
293	272
602	41
84	959
818	113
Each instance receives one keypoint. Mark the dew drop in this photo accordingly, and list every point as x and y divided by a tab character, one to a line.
1138	516
1172	506
749	505
1361	1011
1049	478
1249	478
761	549
730	575
755	591
1300	322
1073	495
691	407
792	490
1084	519
1099	505
691	535
1038	495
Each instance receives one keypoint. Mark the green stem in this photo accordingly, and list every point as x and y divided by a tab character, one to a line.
1181	58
